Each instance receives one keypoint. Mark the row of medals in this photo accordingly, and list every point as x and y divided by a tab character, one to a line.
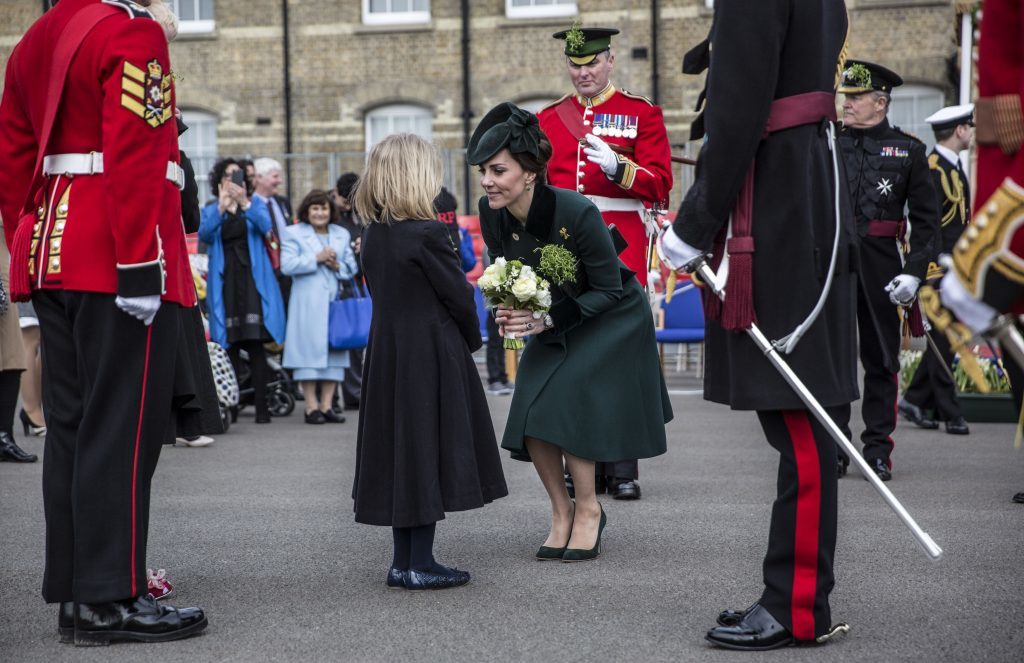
616	126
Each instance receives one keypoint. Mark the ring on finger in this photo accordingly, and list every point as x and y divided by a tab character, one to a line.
529	326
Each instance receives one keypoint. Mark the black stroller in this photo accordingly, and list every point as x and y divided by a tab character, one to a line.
280	393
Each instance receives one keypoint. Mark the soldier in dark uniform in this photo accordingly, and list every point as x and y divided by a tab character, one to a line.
95	232
886	170
932	386
766	190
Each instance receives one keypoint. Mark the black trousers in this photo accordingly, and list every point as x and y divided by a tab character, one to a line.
495	352
107	388
620	469
798	574
931	387
879	354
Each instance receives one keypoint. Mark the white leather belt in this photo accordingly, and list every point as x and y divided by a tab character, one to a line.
92	164
606	204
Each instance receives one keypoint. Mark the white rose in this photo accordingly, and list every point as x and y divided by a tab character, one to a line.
524	288
486	280
527	272
499	269
544	298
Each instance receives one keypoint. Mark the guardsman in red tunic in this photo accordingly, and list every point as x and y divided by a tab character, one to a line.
988	261
612	147
89	195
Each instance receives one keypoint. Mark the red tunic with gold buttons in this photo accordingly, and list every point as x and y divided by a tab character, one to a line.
118	231
644	175
989	256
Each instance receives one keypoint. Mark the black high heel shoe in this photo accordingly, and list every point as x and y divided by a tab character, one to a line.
549	553
584	555
30	427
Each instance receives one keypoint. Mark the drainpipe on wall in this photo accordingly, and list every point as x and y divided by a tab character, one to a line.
654	51
467	109
287	74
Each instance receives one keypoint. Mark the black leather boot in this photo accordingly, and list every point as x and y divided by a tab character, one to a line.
141	619
11	452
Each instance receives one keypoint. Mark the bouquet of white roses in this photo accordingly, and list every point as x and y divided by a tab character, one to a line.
514	285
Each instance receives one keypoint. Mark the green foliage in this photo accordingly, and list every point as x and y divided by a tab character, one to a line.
859	74
991	368
557	264
574	38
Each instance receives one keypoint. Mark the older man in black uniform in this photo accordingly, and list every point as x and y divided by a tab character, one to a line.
766	192
932	386
887	171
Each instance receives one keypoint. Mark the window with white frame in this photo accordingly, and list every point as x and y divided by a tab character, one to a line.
200	144
539	8
534	104
911	104
398	118
384	12
194	16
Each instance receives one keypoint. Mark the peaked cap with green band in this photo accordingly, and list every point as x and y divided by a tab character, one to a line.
583	44
505	125
863	76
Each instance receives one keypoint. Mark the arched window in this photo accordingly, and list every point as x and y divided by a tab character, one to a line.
398	118
194	16
377	12
911	104
539	8
200	144
534	104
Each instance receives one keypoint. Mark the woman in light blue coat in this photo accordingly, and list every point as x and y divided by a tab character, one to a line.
317	254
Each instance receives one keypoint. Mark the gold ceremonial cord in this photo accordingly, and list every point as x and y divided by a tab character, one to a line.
954	192
956	333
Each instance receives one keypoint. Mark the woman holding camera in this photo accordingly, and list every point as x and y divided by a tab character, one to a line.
426	442
589	386
317	254
243	299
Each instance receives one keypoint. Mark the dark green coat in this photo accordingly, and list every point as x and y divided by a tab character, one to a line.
592	385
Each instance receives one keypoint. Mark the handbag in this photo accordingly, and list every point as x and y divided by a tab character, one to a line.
273	250
348	321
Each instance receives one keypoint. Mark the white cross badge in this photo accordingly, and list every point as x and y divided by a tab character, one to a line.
884	187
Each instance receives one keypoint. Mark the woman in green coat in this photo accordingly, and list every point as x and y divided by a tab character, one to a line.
589	386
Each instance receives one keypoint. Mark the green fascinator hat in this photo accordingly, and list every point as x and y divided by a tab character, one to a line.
505	125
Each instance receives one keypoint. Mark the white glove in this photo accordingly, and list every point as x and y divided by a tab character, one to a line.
144	308
600	153
978	316
903	289
673	251
654	277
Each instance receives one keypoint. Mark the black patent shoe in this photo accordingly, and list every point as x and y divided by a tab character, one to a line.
569	486
11	452
916	415
881	468
396	578
733	617
417	580
624	489
66	622
957	426
756	631
29	426
141	619
316	417
1018	498
332	417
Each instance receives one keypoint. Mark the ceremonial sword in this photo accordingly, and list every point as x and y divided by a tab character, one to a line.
700	266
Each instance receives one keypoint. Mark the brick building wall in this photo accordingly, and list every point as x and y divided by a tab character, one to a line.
341	69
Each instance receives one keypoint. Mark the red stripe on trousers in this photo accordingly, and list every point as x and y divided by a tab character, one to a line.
808	513
135	461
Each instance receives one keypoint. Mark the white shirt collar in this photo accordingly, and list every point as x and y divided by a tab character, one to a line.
948	154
